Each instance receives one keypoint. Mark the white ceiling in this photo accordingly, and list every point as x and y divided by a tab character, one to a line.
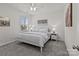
42	7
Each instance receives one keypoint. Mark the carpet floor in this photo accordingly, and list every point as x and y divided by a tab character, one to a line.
52	48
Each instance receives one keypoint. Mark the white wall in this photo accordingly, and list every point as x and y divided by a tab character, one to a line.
7	34
77	23
56	17
72	33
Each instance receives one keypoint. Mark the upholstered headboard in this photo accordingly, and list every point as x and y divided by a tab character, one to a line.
41	25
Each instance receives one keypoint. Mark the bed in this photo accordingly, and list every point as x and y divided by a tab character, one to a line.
38	36
34	38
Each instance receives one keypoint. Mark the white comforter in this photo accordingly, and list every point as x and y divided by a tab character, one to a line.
34	38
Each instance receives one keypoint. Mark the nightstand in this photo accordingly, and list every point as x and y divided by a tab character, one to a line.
53	36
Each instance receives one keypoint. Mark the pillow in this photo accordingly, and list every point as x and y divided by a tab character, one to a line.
43	30
35	29
40	29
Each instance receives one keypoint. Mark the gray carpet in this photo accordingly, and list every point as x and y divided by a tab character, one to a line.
52	48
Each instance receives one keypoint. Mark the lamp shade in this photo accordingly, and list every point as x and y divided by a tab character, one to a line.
53	29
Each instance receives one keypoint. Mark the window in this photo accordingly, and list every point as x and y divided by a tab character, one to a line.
24	22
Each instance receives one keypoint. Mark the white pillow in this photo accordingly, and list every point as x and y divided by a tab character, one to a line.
43	30
35	29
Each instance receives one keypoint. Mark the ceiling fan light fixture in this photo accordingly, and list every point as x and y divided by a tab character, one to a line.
31	8
34	8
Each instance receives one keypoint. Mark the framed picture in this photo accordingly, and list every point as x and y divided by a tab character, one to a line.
44	21
69	16
4	21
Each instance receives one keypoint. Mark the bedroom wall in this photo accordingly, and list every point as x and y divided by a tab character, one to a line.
8	34
76	28
56	17
77	11
72	33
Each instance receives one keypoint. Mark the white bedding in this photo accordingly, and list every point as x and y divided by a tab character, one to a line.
34	38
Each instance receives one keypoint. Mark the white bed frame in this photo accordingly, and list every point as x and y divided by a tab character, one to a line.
34	40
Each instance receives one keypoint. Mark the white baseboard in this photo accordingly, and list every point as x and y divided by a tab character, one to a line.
7	42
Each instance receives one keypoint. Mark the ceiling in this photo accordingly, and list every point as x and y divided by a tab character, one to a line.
42	7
